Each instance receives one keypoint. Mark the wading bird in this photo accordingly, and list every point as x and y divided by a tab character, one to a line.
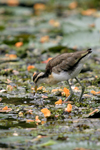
62	68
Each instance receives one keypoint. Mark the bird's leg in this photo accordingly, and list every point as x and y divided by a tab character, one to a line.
71	92
83	88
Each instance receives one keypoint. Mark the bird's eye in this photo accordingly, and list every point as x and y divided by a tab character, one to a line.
75	58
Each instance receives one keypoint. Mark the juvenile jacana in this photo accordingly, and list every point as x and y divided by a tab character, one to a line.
62	68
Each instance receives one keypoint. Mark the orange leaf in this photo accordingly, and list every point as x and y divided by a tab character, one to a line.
9	88
66	91
73	5
30	112
88	12
46	61
19	44
44	96
9	81
76	88
94	93
44	39
30	67
15	72
43	122
92	25
91	113
54	23
58	102
39	6
37	119
20	114
29	120
41	88
69	108
5	108
12	56
0	99
46	112
56	90
12	2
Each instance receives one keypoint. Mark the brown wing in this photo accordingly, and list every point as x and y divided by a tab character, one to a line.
66	61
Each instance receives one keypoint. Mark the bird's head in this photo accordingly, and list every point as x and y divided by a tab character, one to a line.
38	78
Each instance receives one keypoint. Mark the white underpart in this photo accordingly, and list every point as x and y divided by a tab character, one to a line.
63	75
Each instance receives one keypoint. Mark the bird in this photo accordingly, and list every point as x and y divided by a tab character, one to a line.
63	67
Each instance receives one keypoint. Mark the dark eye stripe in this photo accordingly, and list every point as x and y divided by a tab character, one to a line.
35	76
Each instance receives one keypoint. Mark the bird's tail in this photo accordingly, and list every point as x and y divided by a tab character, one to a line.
89	50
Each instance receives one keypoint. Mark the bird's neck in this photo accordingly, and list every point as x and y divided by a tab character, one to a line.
48	79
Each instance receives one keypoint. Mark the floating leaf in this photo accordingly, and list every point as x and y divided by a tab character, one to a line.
66	91
29	120
20	114
30	67
39	6
37	120
88	12
69	108
9	88
44	39
56	90
91	113
54	23
73	5
19	44
58	102
11	56
5	108
12	2
46	112
95	93
8	81
0	99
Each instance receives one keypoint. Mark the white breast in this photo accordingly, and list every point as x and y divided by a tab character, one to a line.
63	75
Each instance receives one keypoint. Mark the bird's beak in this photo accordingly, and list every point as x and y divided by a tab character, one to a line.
35	88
